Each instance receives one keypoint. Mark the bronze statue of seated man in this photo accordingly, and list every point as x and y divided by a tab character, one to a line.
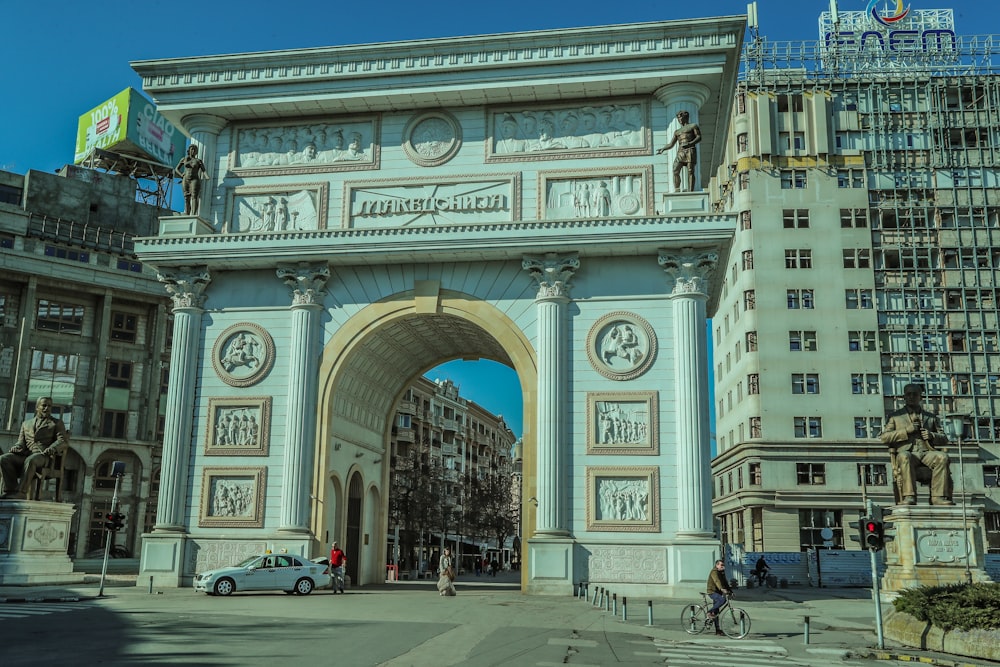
913	436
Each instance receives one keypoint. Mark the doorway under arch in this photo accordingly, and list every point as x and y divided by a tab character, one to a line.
365	369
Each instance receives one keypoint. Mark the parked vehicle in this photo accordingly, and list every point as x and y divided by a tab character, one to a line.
282	572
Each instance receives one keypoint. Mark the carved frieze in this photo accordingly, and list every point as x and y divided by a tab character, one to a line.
243	354
622	498
594	194
291	208
232	497
621	345
322	145
623	422
616	129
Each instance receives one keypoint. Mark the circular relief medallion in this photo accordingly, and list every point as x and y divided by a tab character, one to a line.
432	138
629	204
621	345
243	354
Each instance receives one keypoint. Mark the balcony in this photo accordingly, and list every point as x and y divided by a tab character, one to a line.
407	408
405	435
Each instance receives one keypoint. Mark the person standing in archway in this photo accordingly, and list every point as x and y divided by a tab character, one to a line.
338	559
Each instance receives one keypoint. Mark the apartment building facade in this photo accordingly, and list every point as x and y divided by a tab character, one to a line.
866	177
82	321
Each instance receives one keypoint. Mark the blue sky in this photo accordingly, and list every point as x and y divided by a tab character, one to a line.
64	57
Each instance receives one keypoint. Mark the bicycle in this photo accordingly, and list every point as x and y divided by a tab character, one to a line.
734	622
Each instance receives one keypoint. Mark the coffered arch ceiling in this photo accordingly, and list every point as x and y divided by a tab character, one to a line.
376	371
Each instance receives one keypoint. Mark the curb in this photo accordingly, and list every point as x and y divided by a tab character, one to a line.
920	659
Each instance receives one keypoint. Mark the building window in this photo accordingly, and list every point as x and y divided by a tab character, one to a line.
753	383
991	476
867	427
857	258
755	428
744	181
747	259
790	102
58	317
861	341
742	142
812	474
63	253
811	525
113	423
119	374
858	298
850	178
123	326
793	179
6	241
864	383
798	258
741	102
749	300
745	220
795	218
808	427
751	341
126	265
872	474
755	475
10	195
853	217
800	298
802	341
805	383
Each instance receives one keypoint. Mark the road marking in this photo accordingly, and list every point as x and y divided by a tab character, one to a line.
25	609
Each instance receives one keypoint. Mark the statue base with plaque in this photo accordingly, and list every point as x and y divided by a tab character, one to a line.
34	541
934	546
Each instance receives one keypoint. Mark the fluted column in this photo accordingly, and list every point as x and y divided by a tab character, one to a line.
682	96
186	287
688	273
205	129
307	282
552	273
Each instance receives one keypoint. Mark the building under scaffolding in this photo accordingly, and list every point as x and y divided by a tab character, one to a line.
865	168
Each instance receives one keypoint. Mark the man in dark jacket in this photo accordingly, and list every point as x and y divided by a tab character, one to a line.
718	589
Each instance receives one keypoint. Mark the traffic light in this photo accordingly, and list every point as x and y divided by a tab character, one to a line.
109	522
860	537
874	533
119	520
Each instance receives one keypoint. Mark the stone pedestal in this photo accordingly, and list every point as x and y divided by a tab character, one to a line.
34	541
934	546
185	225
550	566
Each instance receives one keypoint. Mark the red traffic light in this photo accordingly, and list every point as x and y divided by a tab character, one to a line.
871	527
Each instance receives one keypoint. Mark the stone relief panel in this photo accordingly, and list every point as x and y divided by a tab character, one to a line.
243	354
432	138
204	555
232	497
443	201
615	129
292	208
628	564
621	345
622	423
623	499
238	426
45	535
594	194
323	145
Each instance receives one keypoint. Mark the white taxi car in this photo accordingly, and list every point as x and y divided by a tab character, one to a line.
283	572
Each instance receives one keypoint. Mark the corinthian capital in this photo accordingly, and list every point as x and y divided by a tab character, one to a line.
552	273
690	270
307	282
186	286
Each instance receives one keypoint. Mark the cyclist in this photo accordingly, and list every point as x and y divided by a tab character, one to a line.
761	568
718	589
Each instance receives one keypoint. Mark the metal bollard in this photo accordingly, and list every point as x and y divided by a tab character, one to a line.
624	609
805	634
150	585
597	590
607	602
649	613
614	605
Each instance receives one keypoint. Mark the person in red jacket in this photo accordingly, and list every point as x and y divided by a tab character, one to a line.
337	561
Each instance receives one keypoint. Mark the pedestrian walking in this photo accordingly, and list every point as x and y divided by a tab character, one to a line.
446	578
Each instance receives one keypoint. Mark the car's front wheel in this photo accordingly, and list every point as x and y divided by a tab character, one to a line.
304	586
225	586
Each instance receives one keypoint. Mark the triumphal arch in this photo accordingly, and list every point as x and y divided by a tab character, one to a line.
369	212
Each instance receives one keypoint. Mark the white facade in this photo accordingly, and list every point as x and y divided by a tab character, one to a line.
498	198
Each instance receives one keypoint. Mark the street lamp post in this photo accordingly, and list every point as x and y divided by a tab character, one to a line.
957	424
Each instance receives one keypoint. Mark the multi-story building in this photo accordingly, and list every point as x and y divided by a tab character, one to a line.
464	442
82	321
866	175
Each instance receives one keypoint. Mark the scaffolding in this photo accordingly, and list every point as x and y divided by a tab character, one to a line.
153	180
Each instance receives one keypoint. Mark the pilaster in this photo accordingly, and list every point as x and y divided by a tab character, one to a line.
307	283
688	272
552	273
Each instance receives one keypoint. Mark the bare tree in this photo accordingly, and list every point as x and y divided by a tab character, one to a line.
492	508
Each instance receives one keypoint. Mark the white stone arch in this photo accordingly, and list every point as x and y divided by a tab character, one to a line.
492	335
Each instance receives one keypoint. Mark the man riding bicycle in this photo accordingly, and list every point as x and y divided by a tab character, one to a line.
718	589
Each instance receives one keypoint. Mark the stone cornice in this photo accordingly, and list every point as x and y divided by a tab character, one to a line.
460	54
